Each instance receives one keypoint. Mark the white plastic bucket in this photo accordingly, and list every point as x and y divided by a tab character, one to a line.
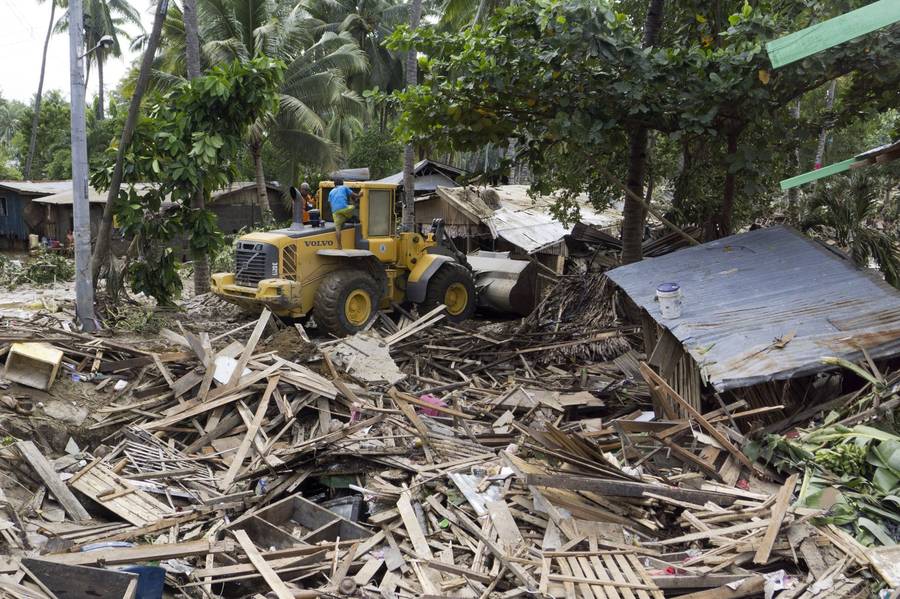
669	297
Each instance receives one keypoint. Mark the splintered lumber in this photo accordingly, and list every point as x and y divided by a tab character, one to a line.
778	512
504	524
654	378
622	488
429	579
50	478
249	348
141	553
749	587
116	494
459	519
269	575
247	441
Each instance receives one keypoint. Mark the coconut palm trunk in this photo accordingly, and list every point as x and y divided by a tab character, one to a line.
262	196
633	213
409	191
198	202
32	142
104	234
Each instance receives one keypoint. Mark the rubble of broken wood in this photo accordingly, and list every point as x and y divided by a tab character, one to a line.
503	461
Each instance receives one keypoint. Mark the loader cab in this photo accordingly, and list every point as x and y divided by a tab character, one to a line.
376	220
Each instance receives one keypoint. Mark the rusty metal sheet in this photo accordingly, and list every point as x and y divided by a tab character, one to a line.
744	292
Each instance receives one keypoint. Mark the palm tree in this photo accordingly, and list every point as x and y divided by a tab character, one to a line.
316	106
458	13
845	209
369	22
10	113
40	90
409	191
198	202
103	18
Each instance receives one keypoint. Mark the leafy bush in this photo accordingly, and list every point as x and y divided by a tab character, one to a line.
42	268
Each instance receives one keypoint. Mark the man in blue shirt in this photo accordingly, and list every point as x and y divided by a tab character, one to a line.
341	199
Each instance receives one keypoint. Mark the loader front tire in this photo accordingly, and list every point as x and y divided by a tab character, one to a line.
453	286
346	301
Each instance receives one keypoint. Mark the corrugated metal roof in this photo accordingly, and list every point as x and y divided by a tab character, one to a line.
37	187
521	219
429	175
744	292
97	197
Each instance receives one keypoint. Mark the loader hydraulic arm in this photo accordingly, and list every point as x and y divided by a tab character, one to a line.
442	238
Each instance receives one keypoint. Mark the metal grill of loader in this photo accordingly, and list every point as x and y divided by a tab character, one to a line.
250	264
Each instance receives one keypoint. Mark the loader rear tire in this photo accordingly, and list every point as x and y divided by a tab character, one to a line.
346	301
453	286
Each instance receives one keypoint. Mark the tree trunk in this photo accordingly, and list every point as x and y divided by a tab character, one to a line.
192	58
262	197
192	39
633	213
794	192
81	215
409	190
727	211
37	99
823	135
101	250
100	112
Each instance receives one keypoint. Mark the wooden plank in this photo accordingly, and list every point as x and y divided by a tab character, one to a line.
698	417
505	525
827	34
141	553
50	478
751	586
413	529
269	575
258	330
247	441
714	532
779	509
621	488
137	507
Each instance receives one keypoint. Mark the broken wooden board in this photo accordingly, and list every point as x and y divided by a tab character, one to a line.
50	477
120	496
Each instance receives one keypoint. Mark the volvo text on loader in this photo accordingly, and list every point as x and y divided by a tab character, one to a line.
298	271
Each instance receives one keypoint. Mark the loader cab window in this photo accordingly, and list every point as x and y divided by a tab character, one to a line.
380	207
324	206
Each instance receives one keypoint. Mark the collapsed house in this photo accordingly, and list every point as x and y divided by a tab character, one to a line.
508	219
761	310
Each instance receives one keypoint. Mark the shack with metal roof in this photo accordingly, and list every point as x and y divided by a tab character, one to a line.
760	308
18	216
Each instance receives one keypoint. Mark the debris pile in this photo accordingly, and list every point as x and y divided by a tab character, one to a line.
418	459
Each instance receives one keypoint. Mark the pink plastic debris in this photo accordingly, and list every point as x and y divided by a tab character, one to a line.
433	400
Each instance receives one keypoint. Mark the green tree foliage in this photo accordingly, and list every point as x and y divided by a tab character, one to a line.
565	80
103	18
52	154
379	151
11	112
846	209
188	142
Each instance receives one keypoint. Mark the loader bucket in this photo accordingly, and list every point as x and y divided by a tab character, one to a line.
504	285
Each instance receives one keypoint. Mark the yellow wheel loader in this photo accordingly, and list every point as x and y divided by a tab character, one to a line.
299	271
